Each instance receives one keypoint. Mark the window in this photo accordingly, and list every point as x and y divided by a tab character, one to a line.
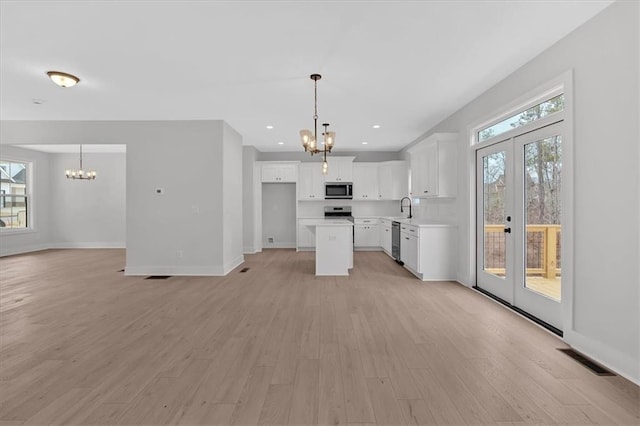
14	195
540	110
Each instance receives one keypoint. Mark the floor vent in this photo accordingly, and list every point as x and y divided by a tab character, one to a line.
244	269
595	368
158	277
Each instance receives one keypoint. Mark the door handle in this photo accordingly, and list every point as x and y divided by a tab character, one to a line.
507	230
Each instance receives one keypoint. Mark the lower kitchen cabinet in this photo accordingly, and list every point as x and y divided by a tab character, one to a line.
366	233
429	252
385	235
409	251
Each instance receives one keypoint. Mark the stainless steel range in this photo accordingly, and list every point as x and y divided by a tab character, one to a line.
338	211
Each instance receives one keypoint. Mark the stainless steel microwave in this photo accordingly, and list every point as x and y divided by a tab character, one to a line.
338	191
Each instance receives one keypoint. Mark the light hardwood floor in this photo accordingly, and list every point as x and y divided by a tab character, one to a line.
83	344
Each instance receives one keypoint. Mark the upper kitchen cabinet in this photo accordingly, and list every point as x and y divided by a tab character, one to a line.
311	184
433	166
279	171
393	180
340	169
365	181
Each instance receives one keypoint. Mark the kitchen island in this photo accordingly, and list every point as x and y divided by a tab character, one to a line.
334	245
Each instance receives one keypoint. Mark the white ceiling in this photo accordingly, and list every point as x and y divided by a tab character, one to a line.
404	65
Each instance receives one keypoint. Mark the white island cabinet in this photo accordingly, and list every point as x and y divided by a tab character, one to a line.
334	245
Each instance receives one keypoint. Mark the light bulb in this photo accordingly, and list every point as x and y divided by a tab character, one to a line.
325	168
312	143
305	137
329	139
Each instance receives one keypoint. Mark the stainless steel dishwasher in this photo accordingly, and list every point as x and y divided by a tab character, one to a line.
395	241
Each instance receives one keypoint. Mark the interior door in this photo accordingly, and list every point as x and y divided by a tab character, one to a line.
519	209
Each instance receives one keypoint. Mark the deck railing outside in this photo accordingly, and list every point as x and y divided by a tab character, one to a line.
543	250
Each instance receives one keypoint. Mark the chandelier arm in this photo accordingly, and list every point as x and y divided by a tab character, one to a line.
80	156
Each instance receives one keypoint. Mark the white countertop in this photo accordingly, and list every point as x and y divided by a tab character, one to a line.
327	222
422	223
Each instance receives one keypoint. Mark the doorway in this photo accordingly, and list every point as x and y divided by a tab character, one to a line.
519	222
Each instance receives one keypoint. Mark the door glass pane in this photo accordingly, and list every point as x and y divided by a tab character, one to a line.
542	185
494	188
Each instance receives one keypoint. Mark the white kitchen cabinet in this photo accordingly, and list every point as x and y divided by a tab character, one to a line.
366	233
393	180
409	244
365	181
433	166
437	253
279	172
385	235
340	169
429	252
311	182
306	236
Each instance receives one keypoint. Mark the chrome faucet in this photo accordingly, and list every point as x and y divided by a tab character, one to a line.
401	206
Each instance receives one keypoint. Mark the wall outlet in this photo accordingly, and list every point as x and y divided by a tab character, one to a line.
270	240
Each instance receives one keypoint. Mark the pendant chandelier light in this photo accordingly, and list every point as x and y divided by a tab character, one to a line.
310	139
80	173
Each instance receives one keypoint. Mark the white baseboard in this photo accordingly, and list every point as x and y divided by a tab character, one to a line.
89	245
175	270
622	364
230	266
197	271
249	250
23	249
279	245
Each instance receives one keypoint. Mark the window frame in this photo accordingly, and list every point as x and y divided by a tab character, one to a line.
518	108
29	191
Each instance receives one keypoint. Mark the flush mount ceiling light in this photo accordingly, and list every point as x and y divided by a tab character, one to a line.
376	126
80	173
309	139
63	79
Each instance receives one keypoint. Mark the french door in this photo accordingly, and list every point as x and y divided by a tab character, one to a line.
519	209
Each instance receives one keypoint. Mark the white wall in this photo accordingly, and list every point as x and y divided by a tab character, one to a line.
603	55
37	238
88	213
249	154
232	185
180	232
279	215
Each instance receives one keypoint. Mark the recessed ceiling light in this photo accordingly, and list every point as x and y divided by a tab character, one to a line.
37	101
365	143
280	143
63	79
376	126
269	127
